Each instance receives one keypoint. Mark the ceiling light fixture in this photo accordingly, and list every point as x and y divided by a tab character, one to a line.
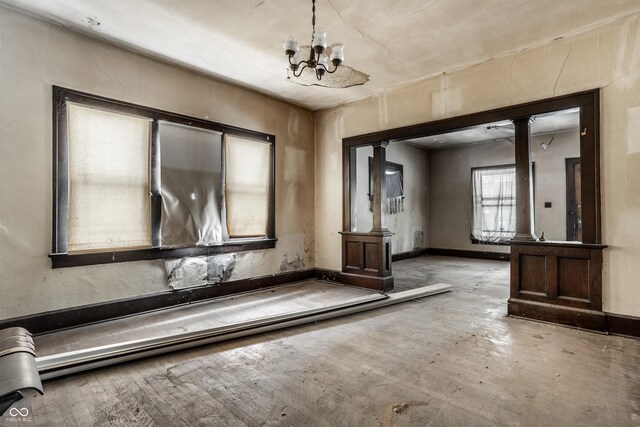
316	61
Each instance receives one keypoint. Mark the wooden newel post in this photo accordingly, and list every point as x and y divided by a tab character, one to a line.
524	183
366	256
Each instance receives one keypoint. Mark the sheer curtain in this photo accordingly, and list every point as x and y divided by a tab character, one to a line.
494	200
395	192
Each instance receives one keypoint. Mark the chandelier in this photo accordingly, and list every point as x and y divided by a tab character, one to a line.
316	60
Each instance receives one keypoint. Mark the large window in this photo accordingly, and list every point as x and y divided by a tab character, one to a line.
494	204
135	183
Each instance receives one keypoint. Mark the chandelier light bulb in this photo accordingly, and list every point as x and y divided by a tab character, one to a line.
337	54
290	46
319	40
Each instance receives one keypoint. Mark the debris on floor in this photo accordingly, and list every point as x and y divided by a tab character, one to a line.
399	407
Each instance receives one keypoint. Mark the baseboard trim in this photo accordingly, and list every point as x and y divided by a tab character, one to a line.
615	324
568	316
408	255
382	284
499	256
67	318
93	313
326	274
619	324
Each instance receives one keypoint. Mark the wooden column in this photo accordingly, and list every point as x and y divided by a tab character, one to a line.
366	257
379	186
524	184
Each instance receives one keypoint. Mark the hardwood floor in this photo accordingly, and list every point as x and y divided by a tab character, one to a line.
451	359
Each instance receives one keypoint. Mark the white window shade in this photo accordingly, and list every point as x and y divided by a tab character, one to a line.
109	204
247	170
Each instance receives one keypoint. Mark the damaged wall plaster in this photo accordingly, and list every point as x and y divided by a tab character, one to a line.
199	271
35	55
607	57
293	265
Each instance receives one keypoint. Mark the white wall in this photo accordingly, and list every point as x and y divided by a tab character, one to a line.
35	55
363	216
607	57
450	178
551	181
411	227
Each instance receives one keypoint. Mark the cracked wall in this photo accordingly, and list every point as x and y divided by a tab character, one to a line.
34	56
607	57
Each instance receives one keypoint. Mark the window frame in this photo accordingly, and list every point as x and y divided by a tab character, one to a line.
60	257
474	240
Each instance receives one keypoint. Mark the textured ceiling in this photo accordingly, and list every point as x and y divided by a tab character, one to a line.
548	123
393	41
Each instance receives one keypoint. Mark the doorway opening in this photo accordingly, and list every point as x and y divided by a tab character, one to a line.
498	184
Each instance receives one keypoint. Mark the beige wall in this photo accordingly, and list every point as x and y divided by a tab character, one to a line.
450	192
34	56
606	57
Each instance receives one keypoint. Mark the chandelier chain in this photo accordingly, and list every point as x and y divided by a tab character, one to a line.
313	19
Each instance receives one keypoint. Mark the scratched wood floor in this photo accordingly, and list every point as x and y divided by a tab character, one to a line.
449	360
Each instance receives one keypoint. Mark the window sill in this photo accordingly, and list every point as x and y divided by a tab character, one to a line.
110	257
478	242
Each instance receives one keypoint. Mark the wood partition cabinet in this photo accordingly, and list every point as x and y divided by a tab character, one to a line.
560	282
366	260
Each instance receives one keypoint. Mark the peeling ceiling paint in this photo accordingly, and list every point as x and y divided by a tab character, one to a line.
392	41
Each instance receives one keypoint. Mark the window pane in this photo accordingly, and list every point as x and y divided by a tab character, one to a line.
191	177
108	179
494	214
247	166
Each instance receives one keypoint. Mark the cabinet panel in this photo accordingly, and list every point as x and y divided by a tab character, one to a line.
573	278
532	274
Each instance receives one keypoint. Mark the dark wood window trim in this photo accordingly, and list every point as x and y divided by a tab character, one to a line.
145	254
60	257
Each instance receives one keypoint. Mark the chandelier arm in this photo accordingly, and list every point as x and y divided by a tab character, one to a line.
327	70
300	70
298	64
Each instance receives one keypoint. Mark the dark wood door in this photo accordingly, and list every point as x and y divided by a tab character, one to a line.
574	200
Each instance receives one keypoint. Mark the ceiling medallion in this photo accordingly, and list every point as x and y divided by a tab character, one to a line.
316	70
